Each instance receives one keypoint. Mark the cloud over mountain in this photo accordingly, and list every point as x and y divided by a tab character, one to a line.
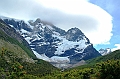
91	19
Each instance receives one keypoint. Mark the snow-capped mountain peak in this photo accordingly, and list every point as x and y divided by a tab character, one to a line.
105	51
53	44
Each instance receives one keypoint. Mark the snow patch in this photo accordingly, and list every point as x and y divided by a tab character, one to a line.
28	39
66	45
23	31
11	25
58	59
105	51
41	56
54	59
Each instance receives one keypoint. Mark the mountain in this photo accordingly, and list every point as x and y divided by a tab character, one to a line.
17	59
13	42
18	62
104	51
52	44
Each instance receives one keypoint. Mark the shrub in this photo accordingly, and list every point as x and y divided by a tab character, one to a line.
109	69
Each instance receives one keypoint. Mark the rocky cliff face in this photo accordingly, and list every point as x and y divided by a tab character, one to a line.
50	43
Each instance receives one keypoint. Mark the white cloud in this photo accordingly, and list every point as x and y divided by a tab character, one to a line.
91	19
117	47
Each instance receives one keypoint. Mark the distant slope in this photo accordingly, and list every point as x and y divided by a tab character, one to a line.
104	51
92	62
112	56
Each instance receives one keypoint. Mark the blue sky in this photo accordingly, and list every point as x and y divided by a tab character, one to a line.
112	7
97	19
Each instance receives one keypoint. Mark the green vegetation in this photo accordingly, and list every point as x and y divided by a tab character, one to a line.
7	38
109	69
17	61
14	67
112	56
104	70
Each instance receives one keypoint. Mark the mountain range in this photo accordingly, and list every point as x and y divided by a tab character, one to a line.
61	48
19	55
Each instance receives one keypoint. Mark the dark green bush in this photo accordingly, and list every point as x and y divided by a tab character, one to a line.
109	69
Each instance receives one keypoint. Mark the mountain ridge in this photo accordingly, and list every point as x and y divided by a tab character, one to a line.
54	44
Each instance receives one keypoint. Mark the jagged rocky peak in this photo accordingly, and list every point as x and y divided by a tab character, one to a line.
33	23
75	34
39	21
53	44
74	31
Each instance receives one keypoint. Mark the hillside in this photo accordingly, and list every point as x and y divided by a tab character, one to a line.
10	35
112	56
16	58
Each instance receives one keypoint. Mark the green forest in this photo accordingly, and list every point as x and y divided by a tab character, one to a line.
12	67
